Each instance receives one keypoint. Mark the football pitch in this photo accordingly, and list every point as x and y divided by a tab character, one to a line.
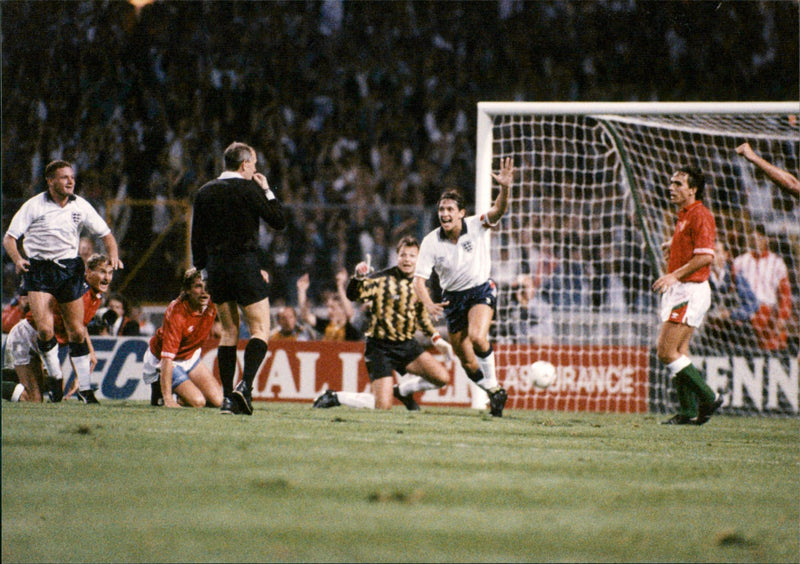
125	482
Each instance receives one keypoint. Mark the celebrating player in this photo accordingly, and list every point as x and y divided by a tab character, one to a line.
396	314
23	342
783	179
51	223
173	357
225	226
459	252
686	296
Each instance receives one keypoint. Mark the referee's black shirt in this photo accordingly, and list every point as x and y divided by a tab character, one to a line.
226	216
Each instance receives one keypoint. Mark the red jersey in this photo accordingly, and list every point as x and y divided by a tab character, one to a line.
695	232
183	330
91	303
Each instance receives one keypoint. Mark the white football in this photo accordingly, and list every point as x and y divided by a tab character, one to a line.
542	374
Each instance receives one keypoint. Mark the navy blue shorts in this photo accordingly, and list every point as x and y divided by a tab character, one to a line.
63	279
382	356
457	311
236	278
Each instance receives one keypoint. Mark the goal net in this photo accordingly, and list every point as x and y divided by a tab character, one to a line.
576	254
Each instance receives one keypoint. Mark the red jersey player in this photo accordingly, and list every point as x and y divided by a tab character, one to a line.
686	296
173	356
22	340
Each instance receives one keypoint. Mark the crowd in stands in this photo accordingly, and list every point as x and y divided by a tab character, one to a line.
362	111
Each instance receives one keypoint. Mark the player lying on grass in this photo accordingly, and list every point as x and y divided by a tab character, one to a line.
396	315
173	357
23	342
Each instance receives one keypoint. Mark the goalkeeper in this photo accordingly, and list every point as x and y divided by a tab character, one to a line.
396	314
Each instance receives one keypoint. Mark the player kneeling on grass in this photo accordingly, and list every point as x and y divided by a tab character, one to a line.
26	356
396	316
172	362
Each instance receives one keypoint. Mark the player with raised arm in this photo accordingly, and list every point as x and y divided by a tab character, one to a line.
459	252
396	315
173	357
51	223
782	178
23	340
686	296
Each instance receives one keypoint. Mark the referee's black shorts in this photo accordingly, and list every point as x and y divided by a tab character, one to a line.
236	278
62	279
382	356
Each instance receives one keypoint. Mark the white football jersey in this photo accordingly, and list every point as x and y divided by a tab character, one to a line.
52	232
461	265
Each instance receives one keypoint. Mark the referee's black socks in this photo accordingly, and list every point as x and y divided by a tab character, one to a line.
226	358
254	354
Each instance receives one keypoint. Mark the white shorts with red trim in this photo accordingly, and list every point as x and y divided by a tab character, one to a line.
686	303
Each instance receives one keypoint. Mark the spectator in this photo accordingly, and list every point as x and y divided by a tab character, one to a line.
733	304
118	319
767	275
289	329
337	326
532	321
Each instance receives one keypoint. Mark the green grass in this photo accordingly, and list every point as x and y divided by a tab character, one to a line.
124	482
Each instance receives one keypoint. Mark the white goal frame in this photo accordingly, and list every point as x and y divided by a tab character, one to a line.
487	111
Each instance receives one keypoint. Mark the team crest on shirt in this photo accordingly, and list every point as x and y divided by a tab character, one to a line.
680	225
190	329
467	246
76	218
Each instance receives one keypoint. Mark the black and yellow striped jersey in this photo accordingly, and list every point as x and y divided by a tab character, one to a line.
395	311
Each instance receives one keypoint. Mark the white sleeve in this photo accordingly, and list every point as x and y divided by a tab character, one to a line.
21	221
425	260
93	221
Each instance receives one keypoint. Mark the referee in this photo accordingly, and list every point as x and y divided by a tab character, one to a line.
51	223
227	212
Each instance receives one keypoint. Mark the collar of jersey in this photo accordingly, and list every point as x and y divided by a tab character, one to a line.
443	237
47	196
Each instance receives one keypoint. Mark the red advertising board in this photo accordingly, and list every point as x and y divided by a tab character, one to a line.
599	379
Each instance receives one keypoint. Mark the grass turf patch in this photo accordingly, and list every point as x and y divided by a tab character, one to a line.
126	482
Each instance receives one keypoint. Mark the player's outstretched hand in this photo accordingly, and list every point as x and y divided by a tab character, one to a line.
506	175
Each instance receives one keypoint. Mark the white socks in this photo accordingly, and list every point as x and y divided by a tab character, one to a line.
412	384
486	365
677	365
52	364
359	400
82	367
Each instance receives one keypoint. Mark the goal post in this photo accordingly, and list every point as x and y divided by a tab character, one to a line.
580	246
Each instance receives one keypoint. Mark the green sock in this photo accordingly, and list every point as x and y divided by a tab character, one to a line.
687	399
697	384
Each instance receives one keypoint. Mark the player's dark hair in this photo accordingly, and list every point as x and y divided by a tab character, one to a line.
52	167
189	277
454	195
236	154
407	241
696	179
97	259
